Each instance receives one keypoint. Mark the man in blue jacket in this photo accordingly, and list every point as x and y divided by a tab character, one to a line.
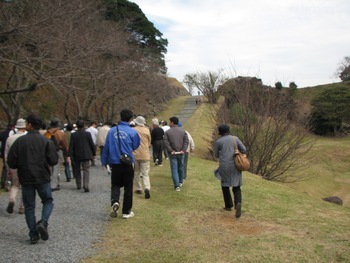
32	155
121	139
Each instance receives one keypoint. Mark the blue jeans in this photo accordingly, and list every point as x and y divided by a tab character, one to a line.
28	193
177	168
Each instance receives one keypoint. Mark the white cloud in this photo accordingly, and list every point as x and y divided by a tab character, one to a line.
290	40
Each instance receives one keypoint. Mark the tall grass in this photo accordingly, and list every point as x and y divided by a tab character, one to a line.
278	223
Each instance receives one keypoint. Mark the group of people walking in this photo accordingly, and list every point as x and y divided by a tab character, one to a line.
34	161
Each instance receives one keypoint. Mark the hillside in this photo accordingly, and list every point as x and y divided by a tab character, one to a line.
278	224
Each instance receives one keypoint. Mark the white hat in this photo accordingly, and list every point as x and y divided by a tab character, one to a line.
21	123
155	121
140	121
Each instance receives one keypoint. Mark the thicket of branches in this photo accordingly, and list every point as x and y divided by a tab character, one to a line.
264	118
83	63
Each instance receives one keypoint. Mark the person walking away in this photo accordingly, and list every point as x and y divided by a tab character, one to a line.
67	134
165	127
142	158
62	151
157	141
224	150
12	173
121	139
102	134
93	131
32	155
190	149
176	142
3	137
82	149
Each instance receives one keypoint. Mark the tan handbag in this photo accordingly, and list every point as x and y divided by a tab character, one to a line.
241	160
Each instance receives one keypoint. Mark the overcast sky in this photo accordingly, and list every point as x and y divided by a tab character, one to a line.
276	40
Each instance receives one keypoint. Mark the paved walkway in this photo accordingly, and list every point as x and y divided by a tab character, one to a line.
188	110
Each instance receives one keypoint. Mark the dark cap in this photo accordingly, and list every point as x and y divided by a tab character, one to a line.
223	129
54	122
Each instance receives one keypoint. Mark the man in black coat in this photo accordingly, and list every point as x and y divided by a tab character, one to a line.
81	151
32	155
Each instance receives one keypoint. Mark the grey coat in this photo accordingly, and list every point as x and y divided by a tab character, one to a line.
224	150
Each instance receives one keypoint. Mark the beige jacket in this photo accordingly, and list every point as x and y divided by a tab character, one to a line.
142	153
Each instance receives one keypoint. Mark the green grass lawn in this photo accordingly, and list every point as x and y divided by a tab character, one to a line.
279	223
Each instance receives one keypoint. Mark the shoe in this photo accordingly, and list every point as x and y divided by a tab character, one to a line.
34	240
160	164
177	189
41	227
10	207
139	192
147	194
156	162
7	186
114	210
182	182
228	208
126	216
21	210
55	189
238	210
78	187
86	190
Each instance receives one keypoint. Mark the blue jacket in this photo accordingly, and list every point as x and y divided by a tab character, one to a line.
129	142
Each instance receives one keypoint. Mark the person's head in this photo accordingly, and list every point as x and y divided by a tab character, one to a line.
93	123
80	124
164	123
54	122
140	121
20	124
126	115
155	122
69	127
223	129
33	122
174	121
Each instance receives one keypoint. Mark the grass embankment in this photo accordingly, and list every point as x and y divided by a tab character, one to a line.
278	224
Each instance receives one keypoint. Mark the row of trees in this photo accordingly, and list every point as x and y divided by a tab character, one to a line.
88	58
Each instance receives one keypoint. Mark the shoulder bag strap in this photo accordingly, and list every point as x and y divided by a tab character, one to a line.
119	144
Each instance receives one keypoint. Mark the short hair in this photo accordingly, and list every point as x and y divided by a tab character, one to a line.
126	115
80	124
174	120
69	127
35	120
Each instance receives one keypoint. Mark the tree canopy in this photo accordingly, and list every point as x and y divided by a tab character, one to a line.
142	31
331	109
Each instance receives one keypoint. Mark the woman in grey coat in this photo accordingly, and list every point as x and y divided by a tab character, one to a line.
224	149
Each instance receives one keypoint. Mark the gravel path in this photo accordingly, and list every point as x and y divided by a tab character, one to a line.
76	223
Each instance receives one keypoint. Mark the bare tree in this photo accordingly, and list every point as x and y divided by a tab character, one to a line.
263	118
207	83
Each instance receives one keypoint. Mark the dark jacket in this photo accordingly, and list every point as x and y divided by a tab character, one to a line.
32	154
157	134
81	146
176	139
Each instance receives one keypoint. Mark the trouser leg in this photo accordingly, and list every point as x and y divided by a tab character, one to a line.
227	196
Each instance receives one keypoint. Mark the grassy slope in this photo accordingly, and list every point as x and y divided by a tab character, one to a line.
278	224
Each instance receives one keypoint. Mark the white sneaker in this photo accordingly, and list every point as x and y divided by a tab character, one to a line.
126	216
177	189
114	210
